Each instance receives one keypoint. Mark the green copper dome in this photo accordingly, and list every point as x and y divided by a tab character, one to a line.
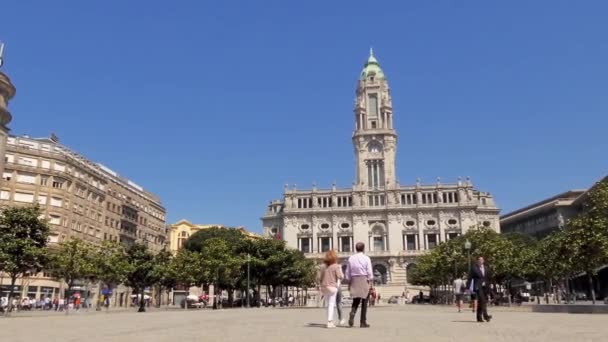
372	67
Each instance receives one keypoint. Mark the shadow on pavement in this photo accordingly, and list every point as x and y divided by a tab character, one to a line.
319	325
465	322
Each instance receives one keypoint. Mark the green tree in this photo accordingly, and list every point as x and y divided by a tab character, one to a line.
233	237
223	265
586	235
72	261
184	269
165	279
140	271
110	264
23	240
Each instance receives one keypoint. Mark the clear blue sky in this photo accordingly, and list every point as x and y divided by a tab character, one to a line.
215	105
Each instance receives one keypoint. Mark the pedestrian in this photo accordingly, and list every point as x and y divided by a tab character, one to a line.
359	274
459	287
479	283
331	276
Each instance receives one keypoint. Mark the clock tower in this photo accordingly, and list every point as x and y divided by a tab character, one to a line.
374	139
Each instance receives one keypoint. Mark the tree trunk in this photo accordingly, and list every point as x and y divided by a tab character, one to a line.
11	292
142	303
591	287
67	296
230	297
259	297
160	296
509	293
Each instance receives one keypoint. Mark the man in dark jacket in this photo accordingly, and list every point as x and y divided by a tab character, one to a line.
479	284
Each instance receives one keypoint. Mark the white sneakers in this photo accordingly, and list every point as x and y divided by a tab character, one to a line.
331	325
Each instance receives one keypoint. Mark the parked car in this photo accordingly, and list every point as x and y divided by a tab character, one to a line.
347	301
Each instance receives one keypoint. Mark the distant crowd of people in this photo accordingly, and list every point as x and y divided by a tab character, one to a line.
45	304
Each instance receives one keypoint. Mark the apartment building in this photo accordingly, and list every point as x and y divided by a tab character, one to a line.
79	197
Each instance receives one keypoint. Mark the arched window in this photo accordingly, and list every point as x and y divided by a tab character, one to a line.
181	239
374	147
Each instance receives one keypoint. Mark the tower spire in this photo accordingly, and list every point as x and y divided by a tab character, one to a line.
371	51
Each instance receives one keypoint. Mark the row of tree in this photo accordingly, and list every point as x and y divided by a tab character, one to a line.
224	257
580	247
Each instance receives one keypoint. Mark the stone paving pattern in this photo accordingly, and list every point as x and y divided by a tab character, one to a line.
389	323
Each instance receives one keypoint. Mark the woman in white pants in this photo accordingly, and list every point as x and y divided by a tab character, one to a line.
331	276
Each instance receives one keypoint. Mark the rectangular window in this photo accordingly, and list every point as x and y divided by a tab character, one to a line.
27	161
9	158
372	105
410	242
44	181
378	243
57	184
55	219
325	244
305	245
59	167
452	236
56	201
345	244
23	197
5	195
41	199
432	241
7	176
27	178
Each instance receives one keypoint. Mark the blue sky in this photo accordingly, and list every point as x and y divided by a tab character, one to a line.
215	105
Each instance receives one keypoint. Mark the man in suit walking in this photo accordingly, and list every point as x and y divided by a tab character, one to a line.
479	284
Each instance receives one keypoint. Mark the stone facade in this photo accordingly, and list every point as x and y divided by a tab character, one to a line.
396	222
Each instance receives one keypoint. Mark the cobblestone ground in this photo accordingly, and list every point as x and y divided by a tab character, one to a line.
389	323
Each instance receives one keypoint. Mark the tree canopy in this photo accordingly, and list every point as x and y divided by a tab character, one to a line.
23	240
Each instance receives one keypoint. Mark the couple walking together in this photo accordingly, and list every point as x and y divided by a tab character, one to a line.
359	276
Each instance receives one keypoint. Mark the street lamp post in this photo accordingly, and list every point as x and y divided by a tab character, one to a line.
467	246
248	262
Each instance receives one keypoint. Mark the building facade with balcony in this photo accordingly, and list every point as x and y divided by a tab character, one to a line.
544	217
396	222
80	198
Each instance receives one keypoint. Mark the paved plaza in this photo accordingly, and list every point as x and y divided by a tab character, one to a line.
389	323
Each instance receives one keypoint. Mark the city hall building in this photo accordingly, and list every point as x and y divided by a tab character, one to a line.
396	222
